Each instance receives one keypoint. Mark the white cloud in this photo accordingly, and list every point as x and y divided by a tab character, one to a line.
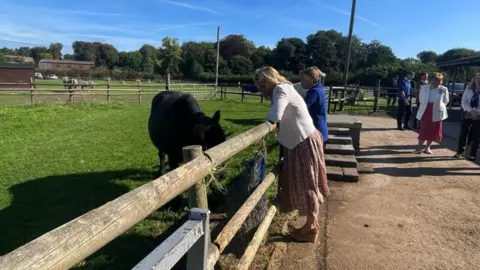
190	6
169	27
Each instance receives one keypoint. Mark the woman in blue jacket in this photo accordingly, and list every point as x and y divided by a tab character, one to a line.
311	79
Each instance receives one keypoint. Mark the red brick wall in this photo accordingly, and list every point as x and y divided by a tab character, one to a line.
16	75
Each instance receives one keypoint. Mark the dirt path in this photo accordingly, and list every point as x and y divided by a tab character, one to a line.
407	211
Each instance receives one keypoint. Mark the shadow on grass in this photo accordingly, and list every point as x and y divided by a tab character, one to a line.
41	205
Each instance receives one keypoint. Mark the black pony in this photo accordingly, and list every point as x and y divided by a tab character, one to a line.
176	120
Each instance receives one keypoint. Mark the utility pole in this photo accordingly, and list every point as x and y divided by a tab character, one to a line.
347	61
218	59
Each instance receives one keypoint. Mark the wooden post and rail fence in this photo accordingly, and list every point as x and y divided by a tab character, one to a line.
69	244
106	90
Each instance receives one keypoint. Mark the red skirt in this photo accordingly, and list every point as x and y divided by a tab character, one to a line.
429	130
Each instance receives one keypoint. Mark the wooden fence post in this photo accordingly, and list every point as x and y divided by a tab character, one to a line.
329	98
194	86
167	82
197	194
108	91
32	86
342	98
204	92
140	92
252	249
243	93
261	98
377	96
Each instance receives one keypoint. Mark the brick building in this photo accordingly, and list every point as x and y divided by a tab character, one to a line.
16	75
65	64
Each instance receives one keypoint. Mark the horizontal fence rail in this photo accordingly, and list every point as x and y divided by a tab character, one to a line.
74	241
192	238
199	91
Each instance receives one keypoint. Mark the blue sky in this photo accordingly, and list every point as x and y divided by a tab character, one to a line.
407	26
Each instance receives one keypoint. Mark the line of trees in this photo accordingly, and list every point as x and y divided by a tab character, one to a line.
239	57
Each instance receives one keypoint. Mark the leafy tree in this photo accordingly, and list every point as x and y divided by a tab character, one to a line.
55	50
85	51
210	59
456	53
240	65
427	56
7	51
107	56
290	54
379	54
68	57
233	45
36	52
322	51
130	60
3	58
171	55
261	57
149	58
46	55
23	51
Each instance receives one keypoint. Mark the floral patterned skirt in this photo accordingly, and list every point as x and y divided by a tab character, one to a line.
304	177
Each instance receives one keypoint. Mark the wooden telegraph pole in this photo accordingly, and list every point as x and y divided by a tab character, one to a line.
218	59
347	61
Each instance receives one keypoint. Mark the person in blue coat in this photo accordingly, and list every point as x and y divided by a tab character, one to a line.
311	79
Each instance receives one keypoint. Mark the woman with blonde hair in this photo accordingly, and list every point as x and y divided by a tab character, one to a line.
303	179
316	100
433	100
471	121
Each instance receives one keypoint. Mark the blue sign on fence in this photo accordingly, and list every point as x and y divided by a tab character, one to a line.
249	88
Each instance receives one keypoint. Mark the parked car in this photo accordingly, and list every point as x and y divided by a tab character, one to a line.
456	95
38	75
51	77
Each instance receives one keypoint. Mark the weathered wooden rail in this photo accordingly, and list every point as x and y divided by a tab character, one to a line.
74	241
106	90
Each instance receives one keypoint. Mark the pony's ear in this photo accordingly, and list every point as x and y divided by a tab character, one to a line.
216	117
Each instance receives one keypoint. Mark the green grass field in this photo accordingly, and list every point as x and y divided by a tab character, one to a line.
60	161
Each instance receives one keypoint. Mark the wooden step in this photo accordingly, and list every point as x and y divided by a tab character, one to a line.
334	173
339	131
337	139
341	161
350	174
342	174
339	149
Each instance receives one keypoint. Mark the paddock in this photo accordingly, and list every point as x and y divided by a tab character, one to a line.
44	189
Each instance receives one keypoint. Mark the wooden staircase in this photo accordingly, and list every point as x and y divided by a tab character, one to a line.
340	156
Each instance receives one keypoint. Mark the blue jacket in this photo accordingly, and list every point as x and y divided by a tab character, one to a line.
317	107
406	86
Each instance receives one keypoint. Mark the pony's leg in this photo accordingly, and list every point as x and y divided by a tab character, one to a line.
161	168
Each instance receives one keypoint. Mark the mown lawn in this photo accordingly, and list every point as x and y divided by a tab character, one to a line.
59	161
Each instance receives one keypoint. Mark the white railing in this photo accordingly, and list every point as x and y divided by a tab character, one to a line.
192	238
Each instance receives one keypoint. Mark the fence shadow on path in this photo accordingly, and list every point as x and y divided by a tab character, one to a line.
43	204
404	159
421	171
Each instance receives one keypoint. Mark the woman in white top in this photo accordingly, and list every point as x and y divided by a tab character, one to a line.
471	121
303	179
432	111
